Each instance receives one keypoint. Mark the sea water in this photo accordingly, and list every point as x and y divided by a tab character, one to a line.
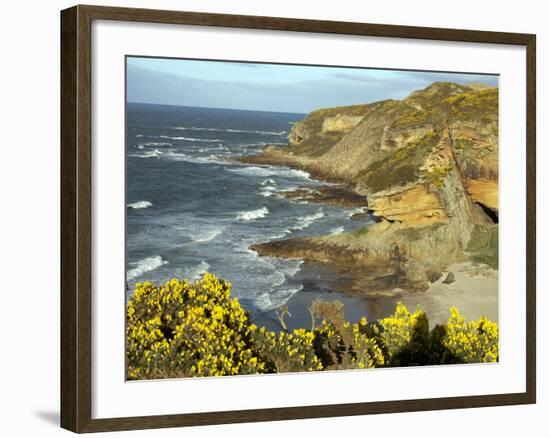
192	207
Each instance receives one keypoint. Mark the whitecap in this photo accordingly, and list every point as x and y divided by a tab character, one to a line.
268	181
145	265
253	214
140	204
210	159
148	154
292	267
305	221
270	171
208	235
357	211
337	230
208	140
289	189
155	143
265	193
197	271
276	299
194	128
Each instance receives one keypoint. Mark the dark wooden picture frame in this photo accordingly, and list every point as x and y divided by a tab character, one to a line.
76	218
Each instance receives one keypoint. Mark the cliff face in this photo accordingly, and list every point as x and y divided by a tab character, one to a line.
427	165
400	152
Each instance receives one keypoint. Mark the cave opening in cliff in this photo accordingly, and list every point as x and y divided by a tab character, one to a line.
493	216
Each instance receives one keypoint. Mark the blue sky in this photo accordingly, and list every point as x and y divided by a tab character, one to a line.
272	87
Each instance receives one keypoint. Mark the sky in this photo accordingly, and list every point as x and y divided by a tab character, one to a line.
273	87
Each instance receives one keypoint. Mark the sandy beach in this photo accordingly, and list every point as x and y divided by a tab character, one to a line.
474	292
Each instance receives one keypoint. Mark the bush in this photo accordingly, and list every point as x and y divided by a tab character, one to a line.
286	352
340	344
184	329
472	342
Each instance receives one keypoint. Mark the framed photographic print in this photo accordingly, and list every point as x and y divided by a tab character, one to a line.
270	218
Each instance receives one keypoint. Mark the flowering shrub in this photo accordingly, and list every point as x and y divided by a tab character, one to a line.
396	331
341	344
184	329
472	342
286	352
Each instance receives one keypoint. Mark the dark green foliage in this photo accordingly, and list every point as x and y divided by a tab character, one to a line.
425	347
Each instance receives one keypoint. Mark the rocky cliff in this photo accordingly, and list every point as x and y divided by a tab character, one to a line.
427	166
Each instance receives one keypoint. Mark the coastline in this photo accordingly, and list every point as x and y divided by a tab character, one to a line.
474	292
427	170
370	285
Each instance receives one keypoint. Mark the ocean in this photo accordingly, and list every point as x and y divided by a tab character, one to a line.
192	208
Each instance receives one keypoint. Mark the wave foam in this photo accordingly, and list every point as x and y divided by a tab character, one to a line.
267	191
253	214
208	235
306	221
155	143
337	230
194	128
145	265
270	301
140	204
270	171
356	211
208	140
148	154
198	271
210	159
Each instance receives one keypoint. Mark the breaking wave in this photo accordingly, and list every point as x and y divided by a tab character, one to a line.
197	271
208	235
168	137
270	171
305	221
145	265
194	128
253	214
139	204
148	154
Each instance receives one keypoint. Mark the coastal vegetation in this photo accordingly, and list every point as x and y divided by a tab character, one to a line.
424	172
184	329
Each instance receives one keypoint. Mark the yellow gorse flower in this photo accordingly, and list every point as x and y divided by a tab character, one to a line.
184	329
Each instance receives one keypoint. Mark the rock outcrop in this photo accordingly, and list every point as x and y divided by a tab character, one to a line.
427	166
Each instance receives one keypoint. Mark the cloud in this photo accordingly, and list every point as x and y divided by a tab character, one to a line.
300	96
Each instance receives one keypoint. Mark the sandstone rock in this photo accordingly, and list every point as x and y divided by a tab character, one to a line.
340	123
428	167
484	191
410	205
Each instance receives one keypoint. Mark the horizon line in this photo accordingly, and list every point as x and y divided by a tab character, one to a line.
212	107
